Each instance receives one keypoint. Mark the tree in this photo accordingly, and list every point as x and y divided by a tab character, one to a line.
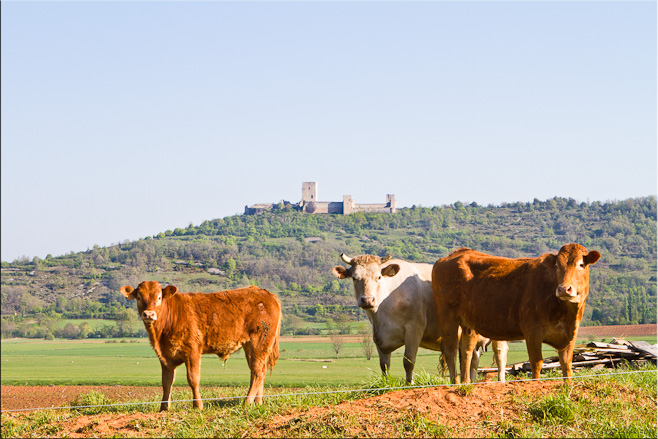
70	331
230	266
367	343
85	330
343	324
8	328
334	337
127	323
295	323
13	299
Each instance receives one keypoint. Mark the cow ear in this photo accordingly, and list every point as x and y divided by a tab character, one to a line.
341	272
549	260
128	292
169	291
592	257
390	270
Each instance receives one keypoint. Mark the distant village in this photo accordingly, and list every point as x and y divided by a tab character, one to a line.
310	204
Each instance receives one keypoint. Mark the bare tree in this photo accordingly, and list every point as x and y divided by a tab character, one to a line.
367	343
334	337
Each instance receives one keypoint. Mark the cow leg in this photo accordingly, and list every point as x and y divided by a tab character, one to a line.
534	356
566	356
258	368
168	377
384	361
257	382
409	360
261	379
475	361
500	349
193	365
466	347
450	345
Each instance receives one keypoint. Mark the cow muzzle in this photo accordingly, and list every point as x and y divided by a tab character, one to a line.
566	292
366	302
149	316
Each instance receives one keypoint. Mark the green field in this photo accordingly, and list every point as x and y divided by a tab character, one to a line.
301	363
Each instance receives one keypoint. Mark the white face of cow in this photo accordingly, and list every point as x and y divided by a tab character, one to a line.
150	297
572	270
367	273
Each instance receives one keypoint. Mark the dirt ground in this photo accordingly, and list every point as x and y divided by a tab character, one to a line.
618	331
20	397
374	416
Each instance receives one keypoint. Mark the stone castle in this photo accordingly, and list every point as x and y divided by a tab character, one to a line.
310	204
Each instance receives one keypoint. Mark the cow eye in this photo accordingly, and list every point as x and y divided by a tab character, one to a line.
379	277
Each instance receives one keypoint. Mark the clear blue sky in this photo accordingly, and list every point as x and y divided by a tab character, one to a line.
121	120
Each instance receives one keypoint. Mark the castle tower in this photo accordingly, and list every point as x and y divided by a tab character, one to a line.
309	192
348	204
390	202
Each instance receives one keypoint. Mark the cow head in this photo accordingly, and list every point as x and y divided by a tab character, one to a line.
367	272
571	266
150	296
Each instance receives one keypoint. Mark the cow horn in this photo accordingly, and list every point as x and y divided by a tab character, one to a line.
386	258
347	259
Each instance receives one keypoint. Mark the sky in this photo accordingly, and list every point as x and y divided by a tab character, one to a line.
121	120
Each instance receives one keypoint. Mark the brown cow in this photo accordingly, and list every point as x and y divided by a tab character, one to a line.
539	300
183	326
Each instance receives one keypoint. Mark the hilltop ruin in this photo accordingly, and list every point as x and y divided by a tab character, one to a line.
310	204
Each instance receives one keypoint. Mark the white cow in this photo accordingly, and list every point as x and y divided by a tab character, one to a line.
397	298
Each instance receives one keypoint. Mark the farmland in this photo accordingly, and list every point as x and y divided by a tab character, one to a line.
87	372
304	361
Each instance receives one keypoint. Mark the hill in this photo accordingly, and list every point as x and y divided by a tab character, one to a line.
291	253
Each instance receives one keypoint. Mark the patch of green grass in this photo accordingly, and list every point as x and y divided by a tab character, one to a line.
554	409
465	389
91	403
608	404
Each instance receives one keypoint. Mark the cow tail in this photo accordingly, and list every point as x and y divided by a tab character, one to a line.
274	355
442	364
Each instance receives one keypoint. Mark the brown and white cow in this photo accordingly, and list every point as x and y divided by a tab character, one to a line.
539	300
397	298
183	326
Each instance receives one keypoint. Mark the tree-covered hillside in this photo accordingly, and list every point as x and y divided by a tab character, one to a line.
292	253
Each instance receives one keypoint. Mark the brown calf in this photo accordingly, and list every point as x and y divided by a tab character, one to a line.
183	326
539	300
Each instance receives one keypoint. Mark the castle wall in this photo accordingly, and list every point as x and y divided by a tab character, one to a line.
381	208
335	207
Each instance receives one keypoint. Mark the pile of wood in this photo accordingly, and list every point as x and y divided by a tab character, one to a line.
595	355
